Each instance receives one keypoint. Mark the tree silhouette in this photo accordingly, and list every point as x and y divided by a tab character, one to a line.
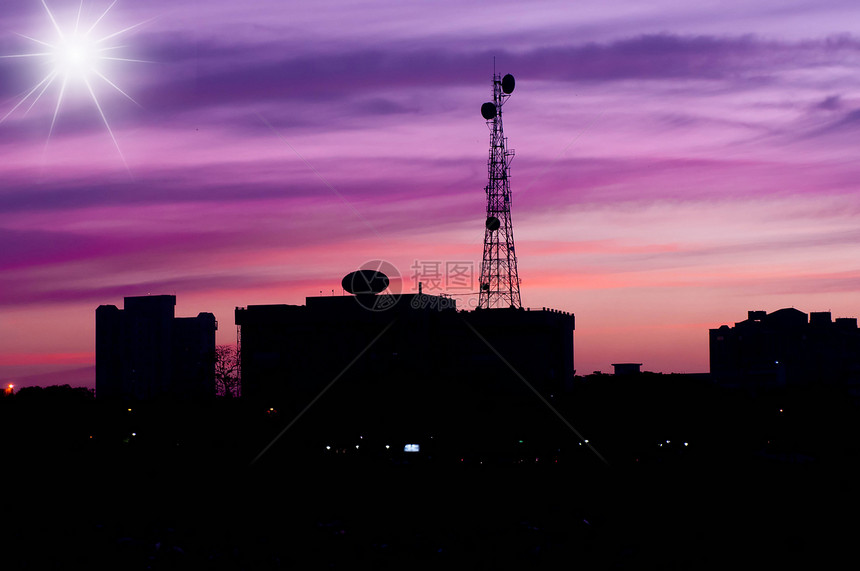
227	371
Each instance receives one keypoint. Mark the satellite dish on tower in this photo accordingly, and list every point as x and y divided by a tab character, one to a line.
508	84
488	110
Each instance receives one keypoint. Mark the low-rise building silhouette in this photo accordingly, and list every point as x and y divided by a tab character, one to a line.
786	347
143	351
627	368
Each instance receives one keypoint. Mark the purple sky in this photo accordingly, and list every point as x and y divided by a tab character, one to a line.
677	163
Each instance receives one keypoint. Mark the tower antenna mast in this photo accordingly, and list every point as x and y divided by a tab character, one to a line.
500	283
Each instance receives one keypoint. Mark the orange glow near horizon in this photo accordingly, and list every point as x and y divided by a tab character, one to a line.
19	359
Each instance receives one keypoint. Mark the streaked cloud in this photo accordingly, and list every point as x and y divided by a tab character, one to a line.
674	163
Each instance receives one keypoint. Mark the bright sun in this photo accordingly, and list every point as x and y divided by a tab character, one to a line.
76	53
75	56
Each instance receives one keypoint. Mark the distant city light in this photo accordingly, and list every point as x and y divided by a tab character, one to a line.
411	448
356	446
328	447
134	433
129	410
387	446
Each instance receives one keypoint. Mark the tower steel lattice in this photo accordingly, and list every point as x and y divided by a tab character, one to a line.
499	283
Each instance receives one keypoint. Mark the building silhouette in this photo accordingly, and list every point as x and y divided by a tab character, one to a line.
627	368
416	363
143	351
785	348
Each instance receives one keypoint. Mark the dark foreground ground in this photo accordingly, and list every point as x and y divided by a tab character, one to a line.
770	482
416	517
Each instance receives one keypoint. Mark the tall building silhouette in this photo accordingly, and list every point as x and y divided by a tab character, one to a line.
419	362
786	347
143	351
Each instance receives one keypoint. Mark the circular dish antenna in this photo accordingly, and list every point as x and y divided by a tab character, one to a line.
493	223
488	110
364	282
508	84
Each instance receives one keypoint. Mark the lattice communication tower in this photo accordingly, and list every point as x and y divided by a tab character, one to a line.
500	284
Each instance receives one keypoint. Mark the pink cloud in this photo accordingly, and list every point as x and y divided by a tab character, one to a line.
672	166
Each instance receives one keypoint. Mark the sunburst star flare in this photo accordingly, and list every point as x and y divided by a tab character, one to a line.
76	54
